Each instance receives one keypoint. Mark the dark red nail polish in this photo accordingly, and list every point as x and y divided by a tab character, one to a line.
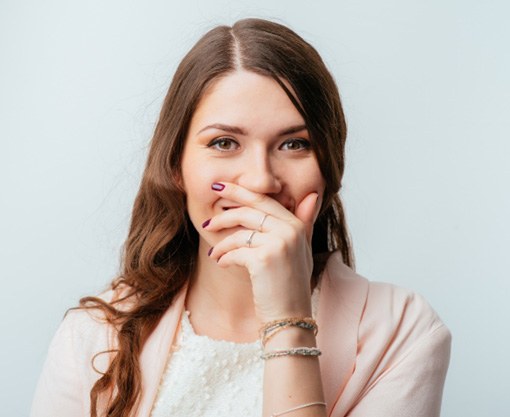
217	186
206	223
210	251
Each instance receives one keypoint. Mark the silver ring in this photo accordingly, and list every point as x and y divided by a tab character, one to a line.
262	222
250	239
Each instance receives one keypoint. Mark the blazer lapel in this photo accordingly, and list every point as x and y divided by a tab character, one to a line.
155	353
341	302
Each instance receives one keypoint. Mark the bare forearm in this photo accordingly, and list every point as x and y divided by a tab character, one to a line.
291	381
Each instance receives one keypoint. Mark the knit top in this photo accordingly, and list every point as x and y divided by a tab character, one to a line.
211	378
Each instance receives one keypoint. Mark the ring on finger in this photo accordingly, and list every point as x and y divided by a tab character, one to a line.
250	239
262	222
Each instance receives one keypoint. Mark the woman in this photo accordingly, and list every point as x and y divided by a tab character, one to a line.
238	237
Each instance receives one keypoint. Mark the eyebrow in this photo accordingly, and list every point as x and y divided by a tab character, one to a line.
240	131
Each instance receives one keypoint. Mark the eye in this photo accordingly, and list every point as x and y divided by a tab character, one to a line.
223	144
295	144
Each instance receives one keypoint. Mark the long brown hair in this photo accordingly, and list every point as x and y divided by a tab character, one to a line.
161	248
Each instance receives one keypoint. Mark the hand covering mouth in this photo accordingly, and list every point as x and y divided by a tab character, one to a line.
288	203
234	207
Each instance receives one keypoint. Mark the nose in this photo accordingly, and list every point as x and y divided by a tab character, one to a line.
257	174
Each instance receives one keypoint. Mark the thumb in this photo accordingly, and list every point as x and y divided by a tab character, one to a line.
306	210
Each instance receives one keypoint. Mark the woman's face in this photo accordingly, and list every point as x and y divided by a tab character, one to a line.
246	130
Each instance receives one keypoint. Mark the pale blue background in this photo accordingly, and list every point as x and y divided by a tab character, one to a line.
426	92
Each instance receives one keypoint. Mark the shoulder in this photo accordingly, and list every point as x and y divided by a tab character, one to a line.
401	319
79	353
86	332
383	311
379	341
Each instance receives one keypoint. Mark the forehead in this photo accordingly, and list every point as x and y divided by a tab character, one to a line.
247	99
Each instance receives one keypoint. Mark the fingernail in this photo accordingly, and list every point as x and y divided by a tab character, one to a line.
210	251
217	186
206	223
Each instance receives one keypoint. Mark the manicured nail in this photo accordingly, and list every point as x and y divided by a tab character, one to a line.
206	223
217	186
210	251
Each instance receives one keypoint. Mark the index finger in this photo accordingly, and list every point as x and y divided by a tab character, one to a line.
252	199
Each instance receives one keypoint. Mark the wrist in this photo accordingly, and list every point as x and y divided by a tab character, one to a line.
304	310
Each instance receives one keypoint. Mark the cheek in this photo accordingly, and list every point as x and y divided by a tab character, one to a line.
198	194
308	184
200	198
313	180
195	176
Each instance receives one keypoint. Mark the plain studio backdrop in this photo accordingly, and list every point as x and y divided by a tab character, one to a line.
426	93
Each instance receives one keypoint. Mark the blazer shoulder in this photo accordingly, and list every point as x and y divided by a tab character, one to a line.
86	332
382	306
398	323
79	353
400	307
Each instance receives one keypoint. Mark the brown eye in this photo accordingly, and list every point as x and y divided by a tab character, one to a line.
223	144
295	144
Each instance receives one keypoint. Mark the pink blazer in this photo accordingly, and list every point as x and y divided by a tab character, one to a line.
385	353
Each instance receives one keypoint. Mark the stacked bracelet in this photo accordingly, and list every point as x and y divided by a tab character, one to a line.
268	330
298	351
271	328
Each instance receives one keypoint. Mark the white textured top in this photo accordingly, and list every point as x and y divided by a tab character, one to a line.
212	378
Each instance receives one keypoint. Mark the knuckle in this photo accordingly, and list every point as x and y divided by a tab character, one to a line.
280	247
293	233
259	198
243	211
262	259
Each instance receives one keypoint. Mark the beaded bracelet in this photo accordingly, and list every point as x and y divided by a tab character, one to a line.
268	330
298	351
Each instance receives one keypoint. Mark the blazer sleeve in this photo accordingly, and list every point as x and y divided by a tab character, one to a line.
413	385
70	369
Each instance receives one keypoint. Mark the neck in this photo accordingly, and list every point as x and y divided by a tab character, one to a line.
221	301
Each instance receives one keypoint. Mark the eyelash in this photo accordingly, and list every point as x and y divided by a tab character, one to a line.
217	141
305	144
